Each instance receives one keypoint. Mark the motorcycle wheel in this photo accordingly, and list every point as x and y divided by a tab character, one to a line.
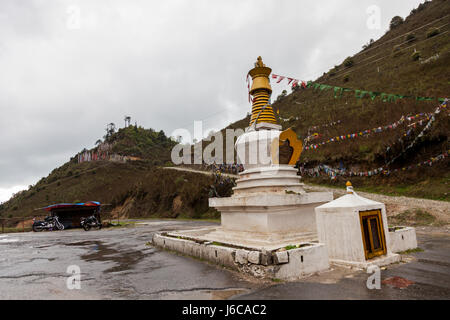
86	227
99	226
37	228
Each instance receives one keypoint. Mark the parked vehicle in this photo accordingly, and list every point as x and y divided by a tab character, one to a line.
49	223
90	222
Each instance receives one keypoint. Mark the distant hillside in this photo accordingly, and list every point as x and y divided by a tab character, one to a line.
413	59
134	188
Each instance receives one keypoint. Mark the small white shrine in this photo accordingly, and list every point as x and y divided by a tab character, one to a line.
355	231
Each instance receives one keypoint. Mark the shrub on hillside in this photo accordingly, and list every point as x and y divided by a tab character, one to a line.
410	37
395	22
282	95
368	45
415	56
332	72
349	62
432	32
420	7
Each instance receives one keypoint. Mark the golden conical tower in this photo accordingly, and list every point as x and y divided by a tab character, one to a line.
261	91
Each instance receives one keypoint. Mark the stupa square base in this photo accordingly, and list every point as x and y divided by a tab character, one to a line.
279	263
270	214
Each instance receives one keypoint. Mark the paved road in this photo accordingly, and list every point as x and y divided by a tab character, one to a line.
116	263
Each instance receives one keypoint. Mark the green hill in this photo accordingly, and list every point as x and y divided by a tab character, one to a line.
134	188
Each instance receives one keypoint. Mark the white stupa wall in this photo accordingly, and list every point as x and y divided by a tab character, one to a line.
254	148
339	228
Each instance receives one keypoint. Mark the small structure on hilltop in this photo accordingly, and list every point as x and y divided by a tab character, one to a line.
269	226
70	214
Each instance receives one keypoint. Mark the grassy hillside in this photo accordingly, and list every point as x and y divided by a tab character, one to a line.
132	189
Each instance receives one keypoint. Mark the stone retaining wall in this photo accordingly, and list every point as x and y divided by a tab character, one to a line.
291	264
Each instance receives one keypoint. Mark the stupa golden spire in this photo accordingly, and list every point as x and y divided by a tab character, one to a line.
261	91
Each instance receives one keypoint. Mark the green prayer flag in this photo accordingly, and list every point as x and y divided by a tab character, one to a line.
392	97
336	89
324	87
373	95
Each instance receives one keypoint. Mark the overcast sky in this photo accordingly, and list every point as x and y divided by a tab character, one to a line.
67	68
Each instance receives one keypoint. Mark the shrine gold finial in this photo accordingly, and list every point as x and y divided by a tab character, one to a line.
349	187
261	91
259	62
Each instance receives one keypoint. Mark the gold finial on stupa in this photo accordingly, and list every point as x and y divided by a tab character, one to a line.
261	91
349	187
259	62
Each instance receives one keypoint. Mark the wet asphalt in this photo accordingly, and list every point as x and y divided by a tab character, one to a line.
116	263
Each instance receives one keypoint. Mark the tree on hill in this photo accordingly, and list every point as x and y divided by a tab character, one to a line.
395	22
110	130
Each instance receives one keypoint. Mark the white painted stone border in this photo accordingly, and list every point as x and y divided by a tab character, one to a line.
402	239
291	264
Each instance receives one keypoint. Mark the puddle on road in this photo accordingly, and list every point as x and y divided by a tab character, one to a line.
125	260
204	294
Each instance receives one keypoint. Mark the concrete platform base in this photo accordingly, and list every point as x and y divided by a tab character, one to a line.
378	261
244	239
279	263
